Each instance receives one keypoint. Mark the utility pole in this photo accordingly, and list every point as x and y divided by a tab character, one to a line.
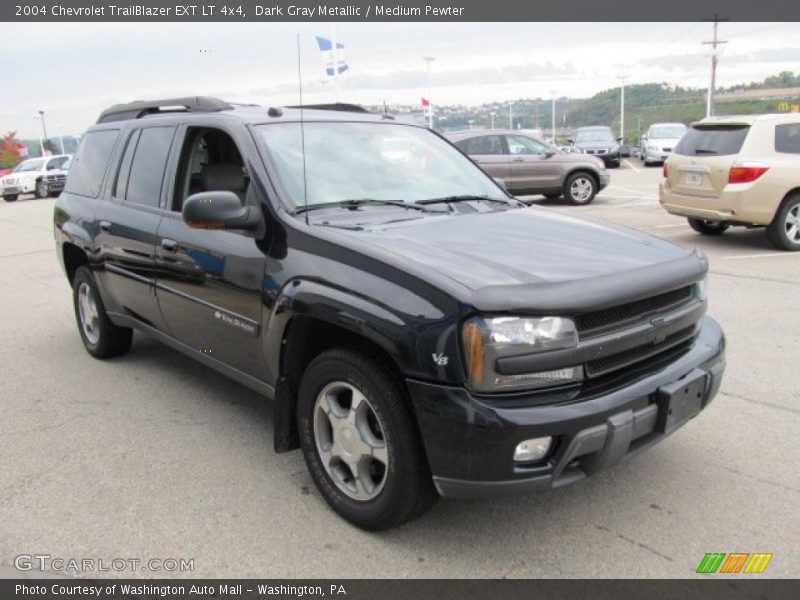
553	117
622	79
428	60
510	115
492	114
710	109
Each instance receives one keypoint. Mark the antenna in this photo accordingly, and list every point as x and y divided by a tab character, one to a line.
302	129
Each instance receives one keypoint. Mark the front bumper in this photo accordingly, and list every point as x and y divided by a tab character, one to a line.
469	440
656	155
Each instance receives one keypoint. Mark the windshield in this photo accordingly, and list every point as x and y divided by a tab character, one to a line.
595	135
673	132
376	161
29	165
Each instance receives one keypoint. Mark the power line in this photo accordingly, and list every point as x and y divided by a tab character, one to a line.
710	108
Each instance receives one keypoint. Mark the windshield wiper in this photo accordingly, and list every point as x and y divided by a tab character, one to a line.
461	198
356	202
704	151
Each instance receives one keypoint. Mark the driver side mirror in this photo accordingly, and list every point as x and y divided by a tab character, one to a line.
571	142
549	154
218	210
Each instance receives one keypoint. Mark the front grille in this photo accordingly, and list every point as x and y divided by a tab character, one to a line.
626	314
607	364
56	178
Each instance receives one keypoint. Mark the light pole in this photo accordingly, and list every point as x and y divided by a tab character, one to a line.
492	114
622	79
44	129
470	121
59	133
428	60
553	116
41	142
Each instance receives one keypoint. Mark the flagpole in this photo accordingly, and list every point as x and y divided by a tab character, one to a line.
335	56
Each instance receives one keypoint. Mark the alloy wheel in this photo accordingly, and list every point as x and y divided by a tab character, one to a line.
350	441
581	189
89	315
792	224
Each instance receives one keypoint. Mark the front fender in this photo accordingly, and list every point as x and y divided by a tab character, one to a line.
410	336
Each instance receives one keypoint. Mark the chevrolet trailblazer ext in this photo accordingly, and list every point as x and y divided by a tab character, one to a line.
420	331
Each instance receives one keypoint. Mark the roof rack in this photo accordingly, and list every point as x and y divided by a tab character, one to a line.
340	106
141	108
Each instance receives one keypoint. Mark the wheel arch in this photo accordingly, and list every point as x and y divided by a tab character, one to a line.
73	258
311	318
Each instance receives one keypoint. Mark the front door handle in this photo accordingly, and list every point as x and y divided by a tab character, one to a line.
105	226
518	160
169	245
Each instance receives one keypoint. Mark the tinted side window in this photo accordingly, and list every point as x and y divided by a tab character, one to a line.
787	138
485	144
712	140
149	163
90	162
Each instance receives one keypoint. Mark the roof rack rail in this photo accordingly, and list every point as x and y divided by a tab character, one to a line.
141	108
340	106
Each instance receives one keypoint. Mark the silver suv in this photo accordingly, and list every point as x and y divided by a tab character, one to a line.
526	165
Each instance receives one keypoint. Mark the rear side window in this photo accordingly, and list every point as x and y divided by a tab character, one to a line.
90	163
148	165
787	138
485	144
712	140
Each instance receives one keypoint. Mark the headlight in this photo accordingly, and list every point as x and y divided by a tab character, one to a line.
487	339
653	148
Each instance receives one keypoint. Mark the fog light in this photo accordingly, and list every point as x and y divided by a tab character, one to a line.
533	449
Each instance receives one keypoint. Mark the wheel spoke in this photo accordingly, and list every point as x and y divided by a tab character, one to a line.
380	454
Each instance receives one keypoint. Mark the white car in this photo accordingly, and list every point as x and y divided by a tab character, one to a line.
29	177
660	140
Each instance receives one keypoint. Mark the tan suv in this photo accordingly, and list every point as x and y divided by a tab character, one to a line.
738	170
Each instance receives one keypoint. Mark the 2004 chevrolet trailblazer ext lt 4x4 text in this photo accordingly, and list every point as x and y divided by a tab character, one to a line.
420	331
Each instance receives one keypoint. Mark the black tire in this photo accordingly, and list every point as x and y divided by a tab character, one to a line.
109	340
41	190
708	227
614	164
11	197
572	195
784	231
407	488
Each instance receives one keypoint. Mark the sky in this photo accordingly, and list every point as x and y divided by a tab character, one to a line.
73	71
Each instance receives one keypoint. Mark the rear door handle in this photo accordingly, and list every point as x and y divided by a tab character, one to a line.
169	245
518	160
105	226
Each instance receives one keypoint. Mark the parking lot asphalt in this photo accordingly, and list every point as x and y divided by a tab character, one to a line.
151	456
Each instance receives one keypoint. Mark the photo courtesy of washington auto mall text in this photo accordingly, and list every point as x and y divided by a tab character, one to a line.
418	299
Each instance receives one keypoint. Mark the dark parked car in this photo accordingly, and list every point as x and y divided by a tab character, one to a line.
420	332
599	141
527	165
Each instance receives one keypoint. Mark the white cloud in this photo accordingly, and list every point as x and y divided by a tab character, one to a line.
73	71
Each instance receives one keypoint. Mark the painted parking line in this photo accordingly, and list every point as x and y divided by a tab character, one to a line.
762	255
627	162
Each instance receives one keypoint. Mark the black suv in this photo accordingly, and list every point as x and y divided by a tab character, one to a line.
420	332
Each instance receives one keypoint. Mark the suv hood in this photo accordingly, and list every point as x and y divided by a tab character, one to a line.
535	257
661	142
595	145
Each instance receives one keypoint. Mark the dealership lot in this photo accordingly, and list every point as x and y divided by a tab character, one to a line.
151	456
